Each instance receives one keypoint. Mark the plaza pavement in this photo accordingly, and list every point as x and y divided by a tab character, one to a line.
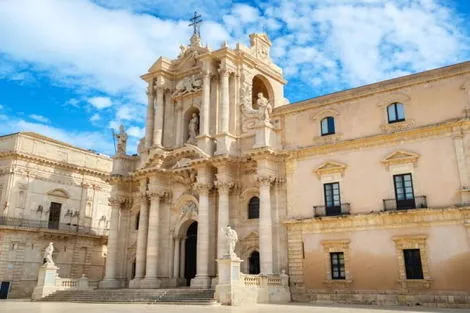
25	306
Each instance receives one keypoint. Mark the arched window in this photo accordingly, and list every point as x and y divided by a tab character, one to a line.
137	220
253	263
328	126
396	112
253	208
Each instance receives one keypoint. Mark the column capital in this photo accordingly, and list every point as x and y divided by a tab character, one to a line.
159	194
265	180
202	188
150	89
224	186
117	201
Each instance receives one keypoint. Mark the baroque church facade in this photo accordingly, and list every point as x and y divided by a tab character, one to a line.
362	193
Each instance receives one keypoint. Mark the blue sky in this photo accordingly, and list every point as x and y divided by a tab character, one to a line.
70	69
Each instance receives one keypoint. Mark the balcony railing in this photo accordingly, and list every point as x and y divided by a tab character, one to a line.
394	204
65	227
321	210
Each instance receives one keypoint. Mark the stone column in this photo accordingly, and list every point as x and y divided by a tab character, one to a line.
109	280
141	244
151	280
223	214
459	147
159	107
265	225
206	94
182	257
224	101
150	116
176	258
179	122
202	279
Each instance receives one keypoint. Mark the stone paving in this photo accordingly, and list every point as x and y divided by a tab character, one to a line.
20	306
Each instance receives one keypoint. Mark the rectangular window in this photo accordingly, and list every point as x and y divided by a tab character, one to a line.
337	265
332	199
413	267
404	194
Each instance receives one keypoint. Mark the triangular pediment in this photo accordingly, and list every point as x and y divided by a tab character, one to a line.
330	167
183	157
400	157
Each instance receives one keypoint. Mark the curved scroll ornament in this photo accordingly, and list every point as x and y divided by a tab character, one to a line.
252	117
188	85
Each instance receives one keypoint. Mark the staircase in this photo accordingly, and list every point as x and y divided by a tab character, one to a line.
180	296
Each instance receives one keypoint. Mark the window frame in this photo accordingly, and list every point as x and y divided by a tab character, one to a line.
413	264
330	126
406	202
334	209
397	118
250	208
339	266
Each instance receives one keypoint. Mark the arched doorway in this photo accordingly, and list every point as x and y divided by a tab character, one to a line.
253	263
190	253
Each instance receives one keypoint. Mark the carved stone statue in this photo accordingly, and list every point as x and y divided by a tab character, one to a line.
122	141
187	85
231	238
48	254
193	128
264	106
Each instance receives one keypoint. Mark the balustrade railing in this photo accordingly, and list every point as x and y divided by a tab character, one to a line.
66	227
321	210
408	204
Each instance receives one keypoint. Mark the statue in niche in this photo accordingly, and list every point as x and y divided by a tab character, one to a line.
264	106
48	254
231	238
122	141
193	128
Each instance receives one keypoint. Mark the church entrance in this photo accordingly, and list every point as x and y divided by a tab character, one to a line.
253	262
190	252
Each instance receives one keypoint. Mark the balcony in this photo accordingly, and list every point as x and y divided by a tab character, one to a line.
394	205
64	227
321	210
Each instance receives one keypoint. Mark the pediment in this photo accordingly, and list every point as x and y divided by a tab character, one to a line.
330	167
400	157
183	158
59	193
251	236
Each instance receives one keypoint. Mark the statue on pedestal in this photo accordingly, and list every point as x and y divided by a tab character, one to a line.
122	141
264	107
193	128
231	238
48	254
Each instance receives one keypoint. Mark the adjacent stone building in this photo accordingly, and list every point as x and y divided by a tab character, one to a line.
51	191
360	196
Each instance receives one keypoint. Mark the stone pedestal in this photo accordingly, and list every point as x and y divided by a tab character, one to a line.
229	285
225	144
206	143
46	284
265	135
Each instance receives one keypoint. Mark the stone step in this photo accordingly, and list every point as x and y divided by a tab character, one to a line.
180	295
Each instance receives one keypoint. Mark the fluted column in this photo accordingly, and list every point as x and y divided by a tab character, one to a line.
224	101
179	122
150	116
141	244
159	108
109	280
265	225
202	279
223	214
176	258
182	256
206	93
151	280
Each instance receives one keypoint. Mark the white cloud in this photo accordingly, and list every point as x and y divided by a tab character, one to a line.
39	118
100	102
137	132
94	140
95	117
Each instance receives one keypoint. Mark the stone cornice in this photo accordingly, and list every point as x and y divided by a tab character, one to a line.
382	220
49	162
376	88
438	129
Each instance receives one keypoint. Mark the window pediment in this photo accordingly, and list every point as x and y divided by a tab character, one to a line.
59	193
330	167
401	157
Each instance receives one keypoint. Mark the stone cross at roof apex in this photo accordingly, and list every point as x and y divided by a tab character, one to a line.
196	20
